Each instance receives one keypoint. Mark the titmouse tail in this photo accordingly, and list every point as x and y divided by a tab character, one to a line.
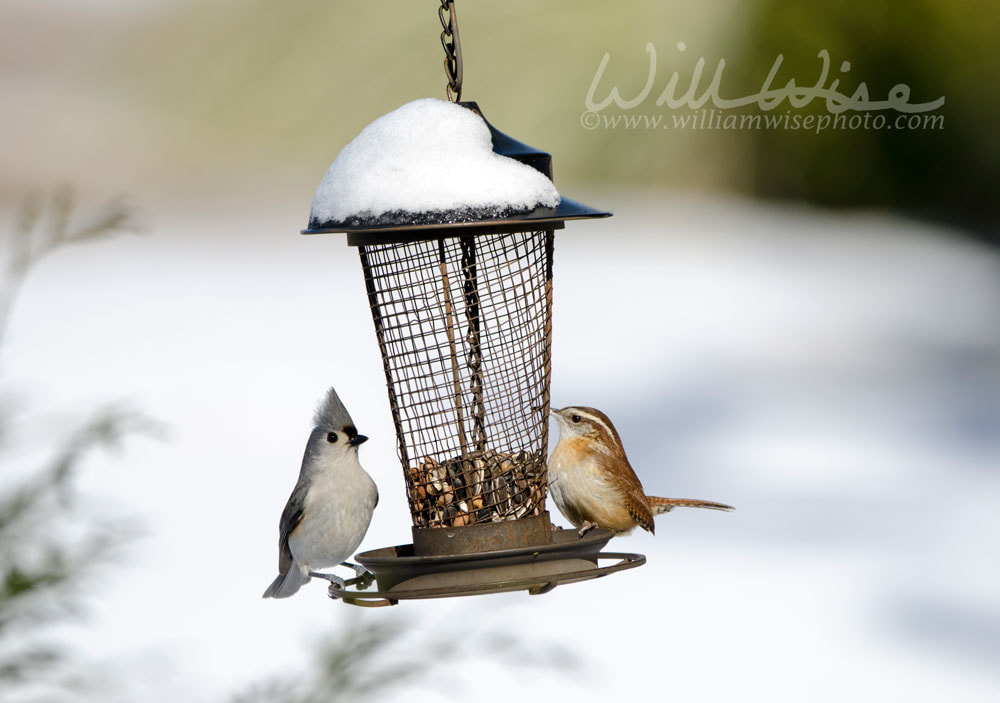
286	584
665	505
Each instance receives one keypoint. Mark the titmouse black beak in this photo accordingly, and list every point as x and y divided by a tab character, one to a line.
357	439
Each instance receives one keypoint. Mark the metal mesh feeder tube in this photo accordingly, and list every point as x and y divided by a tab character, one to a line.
461	303
464	329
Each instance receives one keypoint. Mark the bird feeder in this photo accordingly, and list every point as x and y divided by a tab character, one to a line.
461	302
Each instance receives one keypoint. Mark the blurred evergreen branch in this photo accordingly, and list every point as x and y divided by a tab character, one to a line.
345	668
38	231
368	658
48	544
41	564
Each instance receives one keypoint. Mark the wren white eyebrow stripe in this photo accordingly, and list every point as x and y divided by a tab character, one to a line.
597	421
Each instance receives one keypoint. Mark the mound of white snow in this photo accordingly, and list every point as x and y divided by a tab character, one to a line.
428	157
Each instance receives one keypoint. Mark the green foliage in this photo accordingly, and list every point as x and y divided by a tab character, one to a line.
246	85
262	83
938	49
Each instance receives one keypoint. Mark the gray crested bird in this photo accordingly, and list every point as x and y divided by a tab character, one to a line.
331	506
593	483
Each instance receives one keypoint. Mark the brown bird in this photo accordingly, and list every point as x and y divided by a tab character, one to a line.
593	483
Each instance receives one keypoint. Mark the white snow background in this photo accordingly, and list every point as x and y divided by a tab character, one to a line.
834	377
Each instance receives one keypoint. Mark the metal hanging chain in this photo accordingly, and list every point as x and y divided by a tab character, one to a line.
452	49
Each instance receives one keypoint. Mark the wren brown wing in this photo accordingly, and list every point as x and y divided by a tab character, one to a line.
627	484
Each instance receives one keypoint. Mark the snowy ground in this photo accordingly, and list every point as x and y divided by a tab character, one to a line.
836	378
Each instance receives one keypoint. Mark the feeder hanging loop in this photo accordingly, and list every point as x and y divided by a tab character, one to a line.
452	49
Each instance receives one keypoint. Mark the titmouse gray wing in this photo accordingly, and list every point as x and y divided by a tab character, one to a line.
291	516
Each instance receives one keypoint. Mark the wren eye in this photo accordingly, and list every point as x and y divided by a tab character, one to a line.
576	418
332	438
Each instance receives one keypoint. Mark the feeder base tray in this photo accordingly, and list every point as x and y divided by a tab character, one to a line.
401	575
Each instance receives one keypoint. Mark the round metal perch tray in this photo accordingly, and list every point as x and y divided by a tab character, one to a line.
401	575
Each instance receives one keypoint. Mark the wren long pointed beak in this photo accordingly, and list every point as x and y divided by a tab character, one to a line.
357	439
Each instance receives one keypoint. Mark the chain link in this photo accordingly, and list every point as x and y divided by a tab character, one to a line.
452	49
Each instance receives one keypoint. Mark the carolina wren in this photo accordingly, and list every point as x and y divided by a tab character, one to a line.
592	481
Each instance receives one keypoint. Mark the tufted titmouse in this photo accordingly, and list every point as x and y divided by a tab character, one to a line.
331	506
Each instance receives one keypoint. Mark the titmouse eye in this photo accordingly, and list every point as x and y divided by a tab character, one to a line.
576	418
332	438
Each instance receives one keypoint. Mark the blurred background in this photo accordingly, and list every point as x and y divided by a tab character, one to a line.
801	324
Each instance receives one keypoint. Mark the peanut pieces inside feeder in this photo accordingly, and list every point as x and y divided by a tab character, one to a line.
483	487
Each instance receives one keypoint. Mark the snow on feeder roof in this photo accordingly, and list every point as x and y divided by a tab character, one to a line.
432	165
428	157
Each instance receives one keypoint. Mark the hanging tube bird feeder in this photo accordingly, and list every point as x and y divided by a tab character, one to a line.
461	300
